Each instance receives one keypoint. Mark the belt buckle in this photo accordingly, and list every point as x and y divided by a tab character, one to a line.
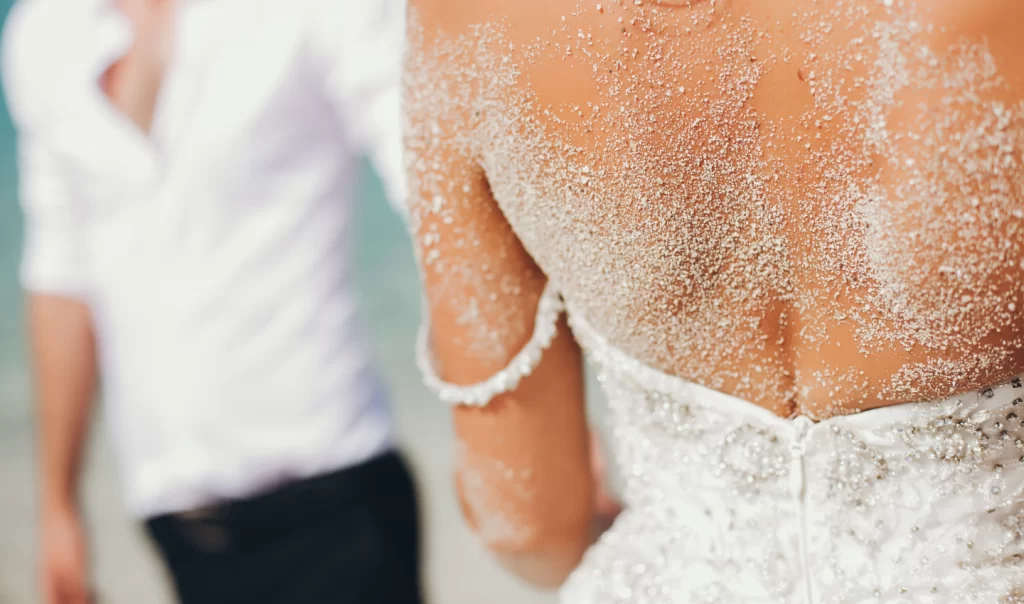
205	528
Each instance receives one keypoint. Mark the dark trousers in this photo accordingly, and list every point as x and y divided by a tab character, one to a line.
348	537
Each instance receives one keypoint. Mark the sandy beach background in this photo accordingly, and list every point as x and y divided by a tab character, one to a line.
458	571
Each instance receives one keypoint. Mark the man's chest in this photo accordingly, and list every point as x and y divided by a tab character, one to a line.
224	91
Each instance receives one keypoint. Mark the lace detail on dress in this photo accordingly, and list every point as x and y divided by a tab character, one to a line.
729	503
549	308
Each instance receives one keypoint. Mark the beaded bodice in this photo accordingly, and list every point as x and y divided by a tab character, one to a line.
728	502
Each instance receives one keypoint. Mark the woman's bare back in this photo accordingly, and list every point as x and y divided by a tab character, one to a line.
808	204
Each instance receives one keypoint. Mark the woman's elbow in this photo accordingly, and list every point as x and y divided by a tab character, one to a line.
546	561
541	544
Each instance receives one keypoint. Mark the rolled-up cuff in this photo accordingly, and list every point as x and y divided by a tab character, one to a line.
50	263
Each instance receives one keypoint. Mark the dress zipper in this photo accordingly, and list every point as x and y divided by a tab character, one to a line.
798	477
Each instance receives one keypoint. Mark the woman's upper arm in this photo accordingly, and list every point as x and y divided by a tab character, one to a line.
482	288
495	325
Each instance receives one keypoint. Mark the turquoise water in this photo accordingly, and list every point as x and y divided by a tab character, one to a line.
388	283
13	380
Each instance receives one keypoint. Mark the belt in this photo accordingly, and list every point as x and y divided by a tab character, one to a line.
245	523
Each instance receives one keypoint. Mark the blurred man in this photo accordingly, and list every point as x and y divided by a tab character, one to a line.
186	177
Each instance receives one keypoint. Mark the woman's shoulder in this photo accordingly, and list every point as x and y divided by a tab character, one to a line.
466	16
996	22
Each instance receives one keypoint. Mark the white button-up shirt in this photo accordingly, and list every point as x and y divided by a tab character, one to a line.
215	252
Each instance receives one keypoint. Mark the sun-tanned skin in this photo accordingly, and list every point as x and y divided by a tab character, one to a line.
880	258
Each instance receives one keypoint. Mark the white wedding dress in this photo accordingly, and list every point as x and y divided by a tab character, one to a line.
664	196
728	503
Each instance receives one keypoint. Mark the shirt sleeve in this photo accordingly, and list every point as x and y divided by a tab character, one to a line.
52	255
360	44
52	259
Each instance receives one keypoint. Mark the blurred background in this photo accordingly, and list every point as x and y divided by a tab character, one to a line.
457	569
